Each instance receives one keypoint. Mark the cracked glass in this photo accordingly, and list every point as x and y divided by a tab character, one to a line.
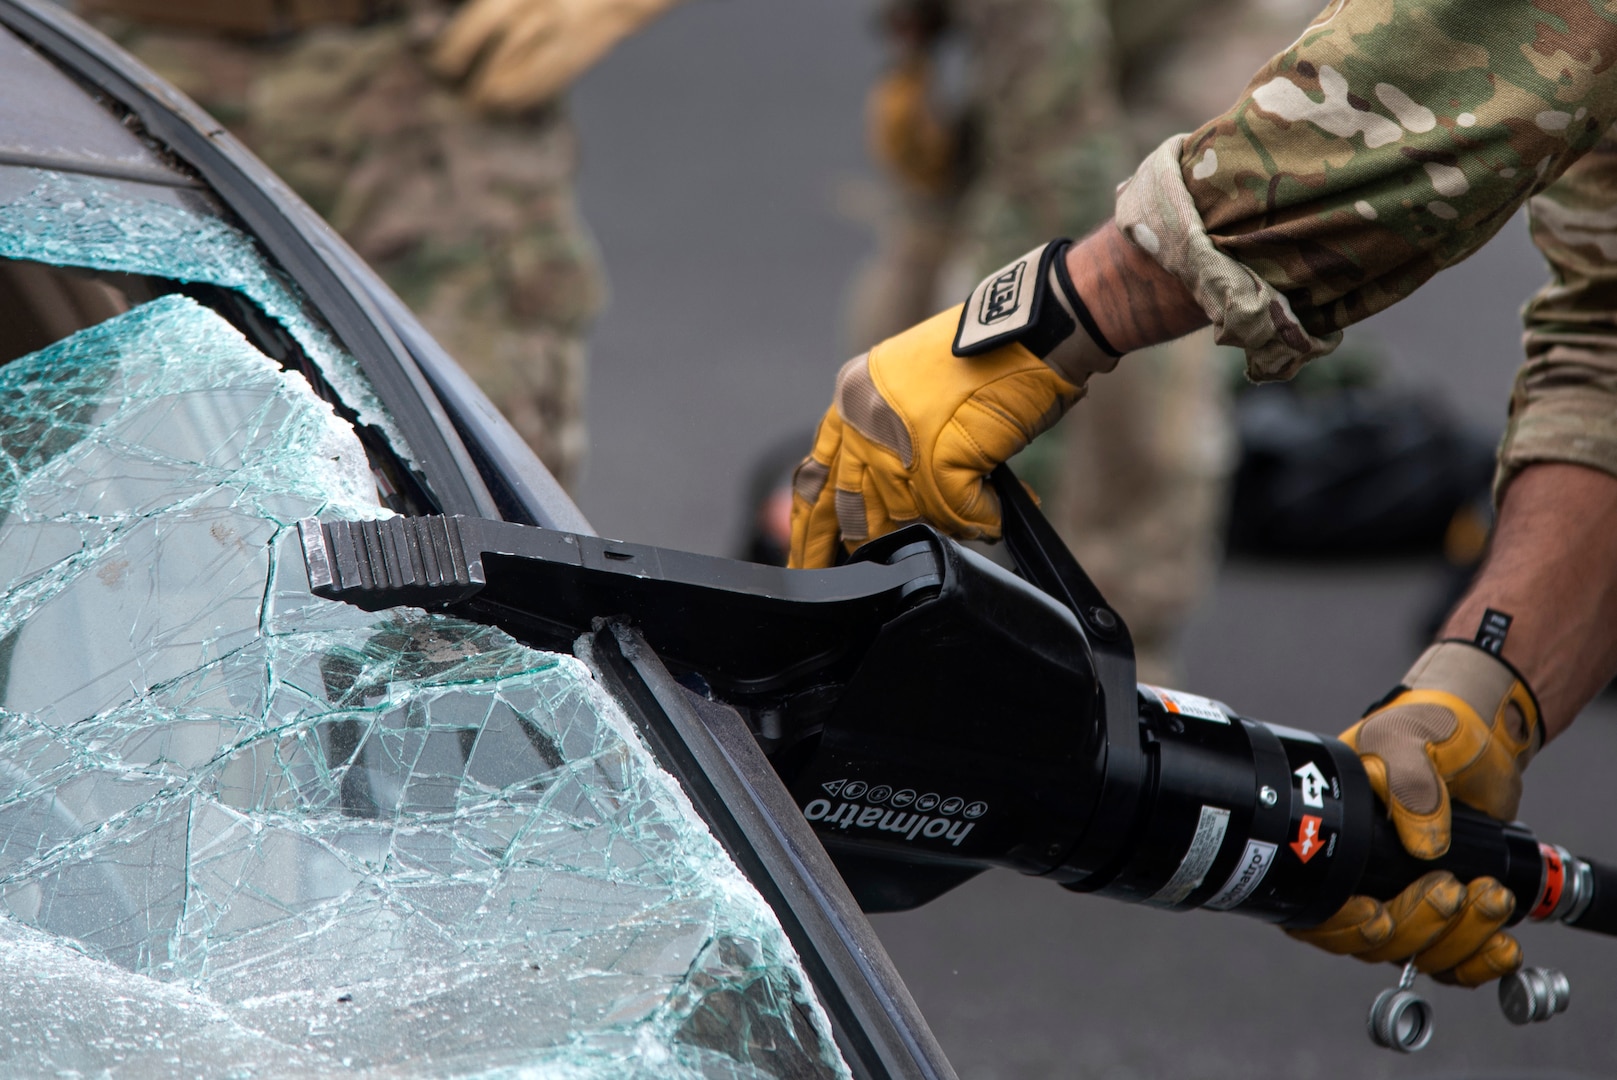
245	831
96	224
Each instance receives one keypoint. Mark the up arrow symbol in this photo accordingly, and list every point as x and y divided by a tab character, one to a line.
1313	785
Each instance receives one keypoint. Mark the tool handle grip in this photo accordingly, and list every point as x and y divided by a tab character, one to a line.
1549	883
1479	847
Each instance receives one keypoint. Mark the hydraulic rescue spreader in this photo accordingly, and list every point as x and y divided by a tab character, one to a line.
934	715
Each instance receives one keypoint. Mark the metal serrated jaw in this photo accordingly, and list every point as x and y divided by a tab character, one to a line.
422	561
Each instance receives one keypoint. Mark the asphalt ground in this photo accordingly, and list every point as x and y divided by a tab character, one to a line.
725	179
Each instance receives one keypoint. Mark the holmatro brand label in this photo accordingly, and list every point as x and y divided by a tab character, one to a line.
904	813
1246	877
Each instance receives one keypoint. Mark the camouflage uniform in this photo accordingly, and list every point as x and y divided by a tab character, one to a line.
1066	92
470	218
1392	140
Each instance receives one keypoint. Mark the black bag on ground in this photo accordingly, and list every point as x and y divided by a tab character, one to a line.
1361	471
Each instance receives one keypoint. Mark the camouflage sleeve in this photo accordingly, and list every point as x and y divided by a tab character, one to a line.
1564	407
1392	139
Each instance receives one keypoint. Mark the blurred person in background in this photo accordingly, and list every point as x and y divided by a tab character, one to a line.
1389	141
1060	97
434	137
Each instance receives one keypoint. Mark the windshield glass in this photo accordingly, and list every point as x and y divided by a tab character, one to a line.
65	219
247	831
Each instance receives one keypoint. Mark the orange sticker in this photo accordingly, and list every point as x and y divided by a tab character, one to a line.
1307	844
1554	882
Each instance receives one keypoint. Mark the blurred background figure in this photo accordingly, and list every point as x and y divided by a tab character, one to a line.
434	137
1058	99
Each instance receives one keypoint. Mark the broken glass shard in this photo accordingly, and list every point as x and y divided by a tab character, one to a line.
245	831
98	224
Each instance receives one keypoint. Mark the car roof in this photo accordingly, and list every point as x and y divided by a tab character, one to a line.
64	129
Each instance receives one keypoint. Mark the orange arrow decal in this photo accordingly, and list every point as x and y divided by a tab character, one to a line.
1307	844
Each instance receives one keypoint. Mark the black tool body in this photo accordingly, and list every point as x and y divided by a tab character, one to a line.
935	715
1236	814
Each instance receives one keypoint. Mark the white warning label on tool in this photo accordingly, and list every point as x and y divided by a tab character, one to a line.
1183	704
1198	860
1246	877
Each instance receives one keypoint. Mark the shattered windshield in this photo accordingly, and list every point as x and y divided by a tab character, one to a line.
68	220
245	831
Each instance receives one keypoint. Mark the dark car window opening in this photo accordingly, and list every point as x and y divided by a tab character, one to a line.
42	304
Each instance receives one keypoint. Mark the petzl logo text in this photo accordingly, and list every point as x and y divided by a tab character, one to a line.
1307	844
1003	296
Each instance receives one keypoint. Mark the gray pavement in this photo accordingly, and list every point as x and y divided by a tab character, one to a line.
722	151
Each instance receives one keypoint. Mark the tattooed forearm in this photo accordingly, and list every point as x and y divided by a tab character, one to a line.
1135	302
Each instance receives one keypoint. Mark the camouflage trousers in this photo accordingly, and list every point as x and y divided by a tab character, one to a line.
471	220
1139	477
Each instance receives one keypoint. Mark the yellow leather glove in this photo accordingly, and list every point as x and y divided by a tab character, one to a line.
1452	931
1462	724
919	421
516	54
905	133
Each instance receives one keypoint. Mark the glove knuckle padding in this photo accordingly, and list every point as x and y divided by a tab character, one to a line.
1403	736
849	499
1462	725
866	410
809	478
876	506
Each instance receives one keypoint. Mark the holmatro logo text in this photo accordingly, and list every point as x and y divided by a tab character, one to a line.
909	826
